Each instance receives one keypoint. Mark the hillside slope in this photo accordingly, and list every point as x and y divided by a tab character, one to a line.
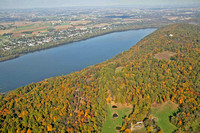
163	66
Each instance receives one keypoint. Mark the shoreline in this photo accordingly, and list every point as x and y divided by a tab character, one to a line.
122	31
78	40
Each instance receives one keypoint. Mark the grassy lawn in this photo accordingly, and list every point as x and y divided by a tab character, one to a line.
142	130
111	123
162	113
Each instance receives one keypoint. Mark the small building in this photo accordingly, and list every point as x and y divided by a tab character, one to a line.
7	48
31	45
137	126
140	122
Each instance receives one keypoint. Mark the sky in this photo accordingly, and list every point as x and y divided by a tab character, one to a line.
10	4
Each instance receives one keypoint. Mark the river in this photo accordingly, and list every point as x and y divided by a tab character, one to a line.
37	66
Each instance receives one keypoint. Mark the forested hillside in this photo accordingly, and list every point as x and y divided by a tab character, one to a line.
164	66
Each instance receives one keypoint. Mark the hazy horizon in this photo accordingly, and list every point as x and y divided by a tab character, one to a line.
24	4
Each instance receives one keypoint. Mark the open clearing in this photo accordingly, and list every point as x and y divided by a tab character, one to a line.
142	130
111	123
164	55
163	112
118	69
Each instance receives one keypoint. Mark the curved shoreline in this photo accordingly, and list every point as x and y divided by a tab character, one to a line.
131	37
77	40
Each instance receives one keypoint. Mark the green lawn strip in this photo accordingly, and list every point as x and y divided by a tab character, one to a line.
67	23
33	26
111	123
163	113
45	29
26	27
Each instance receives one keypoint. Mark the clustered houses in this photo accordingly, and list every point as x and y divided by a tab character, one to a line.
38	28
51	37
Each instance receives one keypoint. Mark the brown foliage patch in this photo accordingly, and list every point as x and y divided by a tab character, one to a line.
164	55
172	104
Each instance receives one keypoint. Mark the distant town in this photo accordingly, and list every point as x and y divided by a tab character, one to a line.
27	30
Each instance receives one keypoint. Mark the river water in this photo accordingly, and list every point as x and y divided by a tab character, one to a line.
37	66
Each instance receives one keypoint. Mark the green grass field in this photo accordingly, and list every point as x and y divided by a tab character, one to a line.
111	123
25	27
50	27
162	113
67	23
142	130
33	26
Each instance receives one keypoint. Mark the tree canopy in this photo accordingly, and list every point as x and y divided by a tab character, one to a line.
77	102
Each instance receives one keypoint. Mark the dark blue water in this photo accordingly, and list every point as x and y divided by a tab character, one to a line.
65	59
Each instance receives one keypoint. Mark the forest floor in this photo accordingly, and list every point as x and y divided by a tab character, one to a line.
163	112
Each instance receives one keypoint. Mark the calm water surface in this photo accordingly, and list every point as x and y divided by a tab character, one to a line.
65	59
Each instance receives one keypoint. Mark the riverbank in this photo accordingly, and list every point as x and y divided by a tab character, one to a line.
66	59
85	37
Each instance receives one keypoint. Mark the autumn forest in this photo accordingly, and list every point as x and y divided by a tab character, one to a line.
164	67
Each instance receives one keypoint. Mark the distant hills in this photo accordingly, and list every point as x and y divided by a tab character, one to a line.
162	67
